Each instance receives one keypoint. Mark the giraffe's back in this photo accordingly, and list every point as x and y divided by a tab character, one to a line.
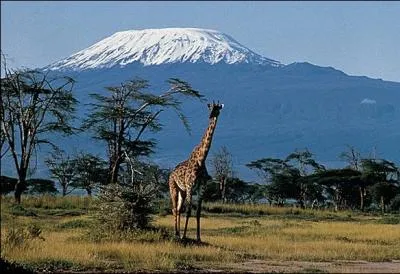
186	174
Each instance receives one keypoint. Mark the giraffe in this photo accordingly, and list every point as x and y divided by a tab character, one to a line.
192	172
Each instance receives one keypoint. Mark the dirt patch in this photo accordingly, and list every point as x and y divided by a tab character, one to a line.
262	266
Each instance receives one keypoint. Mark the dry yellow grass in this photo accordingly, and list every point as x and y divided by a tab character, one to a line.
302	240
229	240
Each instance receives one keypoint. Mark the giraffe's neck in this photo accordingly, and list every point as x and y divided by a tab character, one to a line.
199	154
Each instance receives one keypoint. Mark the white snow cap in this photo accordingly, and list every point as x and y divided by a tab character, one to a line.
160	46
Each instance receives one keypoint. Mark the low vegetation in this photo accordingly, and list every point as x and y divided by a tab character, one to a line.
72	242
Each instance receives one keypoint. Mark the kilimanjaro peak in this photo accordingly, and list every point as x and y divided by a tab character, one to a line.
162	46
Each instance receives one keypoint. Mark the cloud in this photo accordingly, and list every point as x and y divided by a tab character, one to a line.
368	101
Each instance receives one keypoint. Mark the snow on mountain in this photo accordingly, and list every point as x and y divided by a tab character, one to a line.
161	46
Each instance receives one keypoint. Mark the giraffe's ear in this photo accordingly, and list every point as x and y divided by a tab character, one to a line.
209	105
222	105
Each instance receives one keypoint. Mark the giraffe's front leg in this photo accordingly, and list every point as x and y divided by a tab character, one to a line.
175	204
198	210
188	211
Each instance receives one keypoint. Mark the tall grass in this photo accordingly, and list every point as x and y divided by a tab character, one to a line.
266	233
52	202
264	209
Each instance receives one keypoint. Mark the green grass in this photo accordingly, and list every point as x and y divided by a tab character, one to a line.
239	233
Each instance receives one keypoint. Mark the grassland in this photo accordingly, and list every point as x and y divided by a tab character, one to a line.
60	234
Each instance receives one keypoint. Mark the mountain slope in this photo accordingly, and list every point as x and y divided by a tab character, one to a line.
161	46
270	109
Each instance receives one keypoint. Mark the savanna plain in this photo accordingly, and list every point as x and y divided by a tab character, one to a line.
61	234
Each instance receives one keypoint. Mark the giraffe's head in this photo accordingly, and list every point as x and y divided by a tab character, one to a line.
215	109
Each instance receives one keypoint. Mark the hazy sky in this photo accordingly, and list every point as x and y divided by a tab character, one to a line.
360	38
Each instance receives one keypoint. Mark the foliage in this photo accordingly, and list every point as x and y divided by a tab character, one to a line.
41	186
395	204
300	177
287	178
82	171
32	186
7	184
128	204
62	168
236	191
121	117
91	171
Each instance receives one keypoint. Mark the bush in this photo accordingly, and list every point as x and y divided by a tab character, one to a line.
395	204
126	207
103	234
19	210
390	220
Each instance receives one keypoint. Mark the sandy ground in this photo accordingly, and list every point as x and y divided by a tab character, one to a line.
261	266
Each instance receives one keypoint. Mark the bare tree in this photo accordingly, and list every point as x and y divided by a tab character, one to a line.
33	104
353	158
222	169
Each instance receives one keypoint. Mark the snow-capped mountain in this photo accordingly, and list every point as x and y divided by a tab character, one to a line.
270	109
162	46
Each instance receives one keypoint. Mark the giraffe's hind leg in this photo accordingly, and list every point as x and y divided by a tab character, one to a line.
181	200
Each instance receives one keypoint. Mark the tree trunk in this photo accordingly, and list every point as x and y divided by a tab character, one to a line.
302	197
64	191
382	205
361	198
222	185
336	200
19	188
89	192
114	168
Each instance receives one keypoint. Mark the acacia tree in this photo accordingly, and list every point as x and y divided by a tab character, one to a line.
384	178
303	161
90	172
222	167
63	168
339	184
289	176
280	177
33	104
122	116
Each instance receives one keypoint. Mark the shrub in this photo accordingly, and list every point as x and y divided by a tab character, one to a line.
395	204
391	220
126	207
19	210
